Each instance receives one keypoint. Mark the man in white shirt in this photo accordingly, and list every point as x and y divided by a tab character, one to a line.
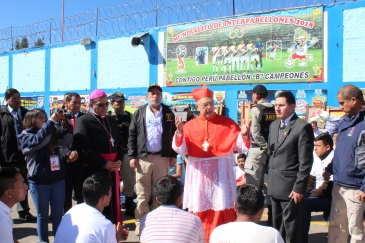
320	197
169	223
85	222
249	207
12	190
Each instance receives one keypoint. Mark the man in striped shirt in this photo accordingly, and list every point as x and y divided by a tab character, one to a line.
168	223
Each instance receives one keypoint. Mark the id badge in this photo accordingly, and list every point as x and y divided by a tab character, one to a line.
55	162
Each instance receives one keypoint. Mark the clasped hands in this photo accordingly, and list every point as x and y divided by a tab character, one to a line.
113	166
121	232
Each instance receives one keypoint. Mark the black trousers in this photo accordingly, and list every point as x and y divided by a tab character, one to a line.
73	182
288	222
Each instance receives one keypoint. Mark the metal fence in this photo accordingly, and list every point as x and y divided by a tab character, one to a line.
125	19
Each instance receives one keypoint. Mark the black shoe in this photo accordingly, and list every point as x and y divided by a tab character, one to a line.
28	217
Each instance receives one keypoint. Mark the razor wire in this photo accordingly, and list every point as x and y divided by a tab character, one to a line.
129	18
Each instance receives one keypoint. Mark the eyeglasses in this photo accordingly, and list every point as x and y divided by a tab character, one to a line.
102	105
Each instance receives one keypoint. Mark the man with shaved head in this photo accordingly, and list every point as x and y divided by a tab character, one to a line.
348	169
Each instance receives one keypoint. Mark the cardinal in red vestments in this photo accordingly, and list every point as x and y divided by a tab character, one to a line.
210	141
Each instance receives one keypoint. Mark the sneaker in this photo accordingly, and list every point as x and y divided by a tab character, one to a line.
28	217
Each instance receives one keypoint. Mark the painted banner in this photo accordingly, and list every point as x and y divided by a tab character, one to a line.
57	102
275	47
316	98
30	102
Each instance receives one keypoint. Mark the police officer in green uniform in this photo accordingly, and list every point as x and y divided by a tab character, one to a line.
262	114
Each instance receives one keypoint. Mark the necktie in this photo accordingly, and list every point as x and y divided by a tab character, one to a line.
18	122
281	130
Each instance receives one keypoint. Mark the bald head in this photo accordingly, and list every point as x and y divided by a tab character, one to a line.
349	91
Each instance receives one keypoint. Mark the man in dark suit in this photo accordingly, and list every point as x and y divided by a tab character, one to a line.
11	117
291	157
73	180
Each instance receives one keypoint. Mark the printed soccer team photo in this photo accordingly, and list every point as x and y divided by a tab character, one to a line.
281	46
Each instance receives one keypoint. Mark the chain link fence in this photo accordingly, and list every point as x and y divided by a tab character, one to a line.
126	19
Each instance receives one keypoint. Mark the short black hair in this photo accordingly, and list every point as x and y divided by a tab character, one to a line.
348	91
325	138
94	187
290	99
70	95
250	200
167	190
240	156
7	178
10	92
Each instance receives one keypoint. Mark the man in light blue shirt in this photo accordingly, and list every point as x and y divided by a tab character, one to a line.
149	147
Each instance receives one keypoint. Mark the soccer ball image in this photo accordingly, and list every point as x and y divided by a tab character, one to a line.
181	51
289	63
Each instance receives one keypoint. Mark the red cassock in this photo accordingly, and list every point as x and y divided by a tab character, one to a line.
210	179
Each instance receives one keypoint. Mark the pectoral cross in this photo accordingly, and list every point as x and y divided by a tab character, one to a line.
205	145
112	141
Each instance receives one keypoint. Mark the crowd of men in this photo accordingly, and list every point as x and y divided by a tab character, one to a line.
299	172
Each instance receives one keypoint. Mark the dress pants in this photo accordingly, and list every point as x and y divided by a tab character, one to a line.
73	181
288	222
313	204
149	170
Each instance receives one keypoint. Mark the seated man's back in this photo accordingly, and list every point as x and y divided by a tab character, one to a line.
85	224
168	223
249	207
245	232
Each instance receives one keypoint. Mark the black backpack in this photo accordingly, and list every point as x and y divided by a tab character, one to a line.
267	115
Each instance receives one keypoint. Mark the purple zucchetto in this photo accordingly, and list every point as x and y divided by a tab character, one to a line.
97	94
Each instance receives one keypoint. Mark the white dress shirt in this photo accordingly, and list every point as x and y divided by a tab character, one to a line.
6	224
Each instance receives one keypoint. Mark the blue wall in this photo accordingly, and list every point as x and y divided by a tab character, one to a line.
112	64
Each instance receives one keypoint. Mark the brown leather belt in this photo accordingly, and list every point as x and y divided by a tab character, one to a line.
154	153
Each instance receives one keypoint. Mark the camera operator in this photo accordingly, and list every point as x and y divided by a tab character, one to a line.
74	167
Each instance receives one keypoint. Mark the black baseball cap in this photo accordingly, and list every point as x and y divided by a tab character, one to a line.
117	96
154	86
260	90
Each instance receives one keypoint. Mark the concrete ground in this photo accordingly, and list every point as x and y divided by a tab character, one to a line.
26	232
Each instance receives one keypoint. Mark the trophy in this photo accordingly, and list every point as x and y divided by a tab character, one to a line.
180	54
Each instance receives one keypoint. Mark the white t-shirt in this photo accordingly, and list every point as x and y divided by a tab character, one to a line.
85	224
6	224
239	173
242	232
319	166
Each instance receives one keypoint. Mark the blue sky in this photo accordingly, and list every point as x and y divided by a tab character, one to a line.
25	12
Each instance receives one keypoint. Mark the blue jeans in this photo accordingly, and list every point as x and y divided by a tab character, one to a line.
43	196
313	204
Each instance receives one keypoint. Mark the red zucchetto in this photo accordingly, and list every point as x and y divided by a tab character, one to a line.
202	92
